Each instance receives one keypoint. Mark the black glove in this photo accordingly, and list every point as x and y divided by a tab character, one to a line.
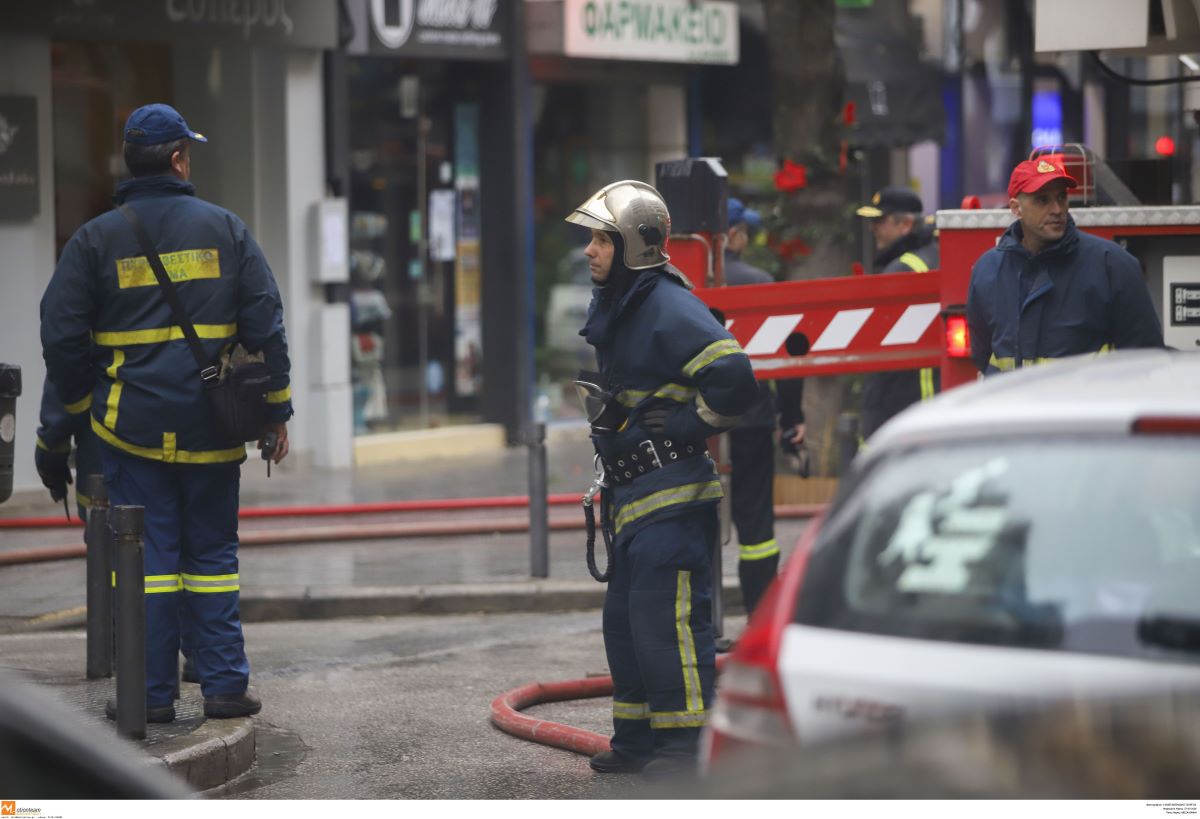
53	469
797	454
785	441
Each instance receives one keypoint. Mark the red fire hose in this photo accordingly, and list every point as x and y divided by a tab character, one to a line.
329	510
507	716
375	531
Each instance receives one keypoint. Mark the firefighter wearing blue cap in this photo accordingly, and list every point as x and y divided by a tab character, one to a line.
752	441
116	356
677	377
904	243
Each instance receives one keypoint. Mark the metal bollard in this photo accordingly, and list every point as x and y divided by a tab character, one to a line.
847	441
129	552
98	537
539	524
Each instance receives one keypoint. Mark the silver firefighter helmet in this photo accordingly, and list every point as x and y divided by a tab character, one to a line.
637	212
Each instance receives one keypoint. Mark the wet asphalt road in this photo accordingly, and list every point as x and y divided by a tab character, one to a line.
398	708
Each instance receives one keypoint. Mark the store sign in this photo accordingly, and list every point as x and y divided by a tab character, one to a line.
18	158
677	31
298	23
454	29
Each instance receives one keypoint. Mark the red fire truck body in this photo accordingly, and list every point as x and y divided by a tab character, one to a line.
911	320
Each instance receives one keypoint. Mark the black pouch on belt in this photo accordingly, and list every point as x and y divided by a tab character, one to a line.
239	401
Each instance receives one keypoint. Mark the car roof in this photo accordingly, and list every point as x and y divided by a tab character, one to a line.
1089	394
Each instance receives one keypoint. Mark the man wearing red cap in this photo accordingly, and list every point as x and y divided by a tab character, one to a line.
1048	290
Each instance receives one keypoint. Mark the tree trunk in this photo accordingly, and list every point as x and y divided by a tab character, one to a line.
808	87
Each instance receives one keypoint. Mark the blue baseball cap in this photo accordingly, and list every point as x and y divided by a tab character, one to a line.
157	123
739	214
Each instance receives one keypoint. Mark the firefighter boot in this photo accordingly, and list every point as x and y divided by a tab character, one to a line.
226	706
613	762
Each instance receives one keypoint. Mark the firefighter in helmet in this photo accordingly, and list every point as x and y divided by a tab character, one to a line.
670	377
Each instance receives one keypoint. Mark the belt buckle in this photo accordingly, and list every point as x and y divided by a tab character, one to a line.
647	448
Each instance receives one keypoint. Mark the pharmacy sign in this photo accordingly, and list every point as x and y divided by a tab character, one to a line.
677	31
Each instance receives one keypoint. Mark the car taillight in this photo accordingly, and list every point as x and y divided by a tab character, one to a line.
1167	425
750	709
958	336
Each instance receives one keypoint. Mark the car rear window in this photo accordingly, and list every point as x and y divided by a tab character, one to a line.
1080	544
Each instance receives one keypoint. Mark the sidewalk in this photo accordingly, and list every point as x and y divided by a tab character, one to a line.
424	575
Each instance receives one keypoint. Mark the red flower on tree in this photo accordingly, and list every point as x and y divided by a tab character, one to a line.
789	249
791	177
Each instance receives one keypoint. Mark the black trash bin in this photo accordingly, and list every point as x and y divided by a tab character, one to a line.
10	388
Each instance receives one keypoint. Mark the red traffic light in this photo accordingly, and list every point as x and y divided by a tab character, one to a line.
1165	146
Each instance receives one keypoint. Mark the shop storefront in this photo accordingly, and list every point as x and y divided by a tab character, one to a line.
246	74
613	93
417	81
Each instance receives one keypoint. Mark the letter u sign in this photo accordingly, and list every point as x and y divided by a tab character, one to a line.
392	36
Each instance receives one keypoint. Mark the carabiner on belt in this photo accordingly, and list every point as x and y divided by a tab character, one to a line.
589	516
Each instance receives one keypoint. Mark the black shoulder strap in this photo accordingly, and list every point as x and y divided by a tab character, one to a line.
208	372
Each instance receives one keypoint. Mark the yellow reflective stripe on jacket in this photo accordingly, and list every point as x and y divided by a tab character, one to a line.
687	642
927	390
678	719
688	493
673	392
82	405
718	349
712	418
210	583
915	262
114	392
758	551
158	335
180	266
279	396
65	446
160	583
631	710
181	456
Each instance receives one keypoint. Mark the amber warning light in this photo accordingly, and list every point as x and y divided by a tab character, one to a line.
958	337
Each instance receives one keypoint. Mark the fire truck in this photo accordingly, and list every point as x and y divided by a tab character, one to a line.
899	321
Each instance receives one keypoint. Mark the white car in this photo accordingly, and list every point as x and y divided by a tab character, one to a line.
1029	538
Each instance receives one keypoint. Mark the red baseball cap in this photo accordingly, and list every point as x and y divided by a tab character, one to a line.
1033	174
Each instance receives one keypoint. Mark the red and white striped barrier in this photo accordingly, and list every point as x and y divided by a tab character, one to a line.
830	326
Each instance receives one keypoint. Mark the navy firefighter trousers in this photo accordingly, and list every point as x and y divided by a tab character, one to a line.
191	569
658	635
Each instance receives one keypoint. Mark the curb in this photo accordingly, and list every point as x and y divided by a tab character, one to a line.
217	752
326	603
339	602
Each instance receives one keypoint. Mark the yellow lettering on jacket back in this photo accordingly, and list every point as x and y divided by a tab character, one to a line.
181	266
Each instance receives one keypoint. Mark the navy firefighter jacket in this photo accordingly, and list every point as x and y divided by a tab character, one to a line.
658	345
112	345
1082	294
